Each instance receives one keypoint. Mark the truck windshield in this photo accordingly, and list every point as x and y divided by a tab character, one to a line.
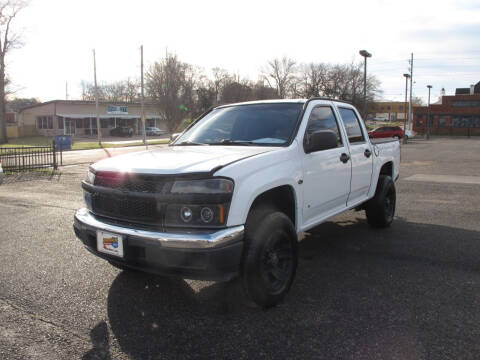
255	124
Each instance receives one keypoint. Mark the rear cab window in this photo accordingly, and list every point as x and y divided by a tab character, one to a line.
352	126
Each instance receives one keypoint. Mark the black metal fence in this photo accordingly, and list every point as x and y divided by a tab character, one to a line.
30	157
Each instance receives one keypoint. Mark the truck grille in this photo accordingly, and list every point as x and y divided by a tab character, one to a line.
131	183
125	207
128	206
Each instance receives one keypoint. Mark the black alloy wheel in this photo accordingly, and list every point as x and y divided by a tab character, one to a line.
277	262
380	210
270	256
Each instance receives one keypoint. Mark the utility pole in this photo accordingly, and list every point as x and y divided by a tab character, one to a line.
427	134
407	76
410	114
99	131
142	100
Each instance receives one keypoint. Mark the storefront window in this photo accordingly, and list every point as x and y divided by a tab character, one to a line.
442	122
45	122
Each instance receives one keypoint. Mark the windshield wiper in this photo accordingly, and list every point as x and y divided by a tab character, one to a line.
233	142
190	143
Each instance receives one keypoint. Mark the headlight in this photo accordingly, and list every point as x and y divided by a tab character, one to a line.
201	203
90	176
192	215
208	186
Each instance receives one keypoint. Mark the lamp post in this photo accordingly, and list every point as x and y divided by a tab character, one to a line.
407	76
365	55
427	134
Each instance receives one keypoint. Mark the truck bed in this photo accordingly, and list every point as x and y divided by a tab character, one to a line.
382	140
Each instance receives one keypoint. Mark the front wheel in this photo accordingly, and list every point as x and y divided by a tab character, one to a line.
270	256
380	209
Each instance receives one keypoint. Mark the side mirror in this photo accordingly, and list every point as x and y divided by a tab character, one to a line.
320	140
174	136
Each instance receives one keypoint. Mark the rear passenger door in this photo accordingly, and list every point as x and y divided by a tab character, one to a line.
326	177
360	155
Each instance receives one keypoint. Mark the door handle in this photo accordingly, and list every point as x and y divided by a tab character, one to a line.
367	153
344	158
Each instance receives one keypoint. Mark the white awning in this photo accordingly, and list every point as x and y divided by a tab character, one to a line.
108	116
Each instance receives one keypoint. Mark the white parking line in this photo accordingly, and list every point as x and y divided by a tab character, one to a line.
455	179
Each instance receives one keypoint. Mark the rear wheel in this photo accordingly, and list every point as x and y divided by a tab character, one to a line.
380	209
270	256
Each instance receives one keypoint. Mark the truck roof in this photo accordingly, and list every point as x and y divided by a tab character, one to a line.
272	101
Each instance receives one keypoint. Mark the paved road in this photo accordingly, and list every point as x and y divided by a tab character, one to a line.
408	292
88	156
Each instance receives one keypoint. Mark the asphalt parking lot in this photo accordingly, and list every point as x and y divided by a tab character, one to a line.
408	292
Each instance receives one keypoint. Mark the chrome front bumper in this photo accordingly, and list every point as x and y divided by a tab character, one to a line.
85	220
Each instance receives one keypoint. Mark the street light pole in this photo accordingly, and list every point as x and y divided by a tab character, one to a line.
99	128
142	98
427	135
407	76
365	55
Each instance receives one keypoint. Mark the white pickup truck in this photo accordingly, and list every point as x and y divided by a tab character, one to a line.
231	194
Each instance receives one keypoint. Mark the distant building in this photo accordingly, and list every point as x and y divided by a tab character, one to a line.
451	115
472	90
76	117
387	110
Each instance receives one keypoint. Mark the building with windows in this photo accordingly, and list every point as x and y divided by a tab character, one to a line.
387	110
77	118
451	115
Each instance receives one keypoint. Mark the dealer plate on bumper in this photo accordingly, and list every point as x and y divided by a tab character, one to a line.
109	243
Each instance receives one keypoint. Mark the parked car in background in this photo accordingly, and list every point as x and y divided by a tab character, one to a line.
410	134
387	132
152	131
121	131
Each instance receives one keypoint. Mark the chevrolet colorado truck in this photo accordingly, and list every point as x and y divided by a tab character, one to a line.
230	195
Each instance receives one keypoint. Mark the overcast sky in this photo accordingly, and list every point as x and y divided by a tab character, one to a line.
242	36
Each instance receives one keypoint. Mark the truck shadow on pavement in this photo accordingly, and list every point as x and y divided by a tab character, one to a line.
409	292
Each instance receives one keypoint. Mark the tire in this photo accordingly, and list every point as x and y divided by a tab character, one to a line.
380	209
270	256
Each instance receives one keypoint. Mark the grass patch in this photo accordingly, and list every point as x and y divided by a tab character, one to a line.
80	145
28	141
94	145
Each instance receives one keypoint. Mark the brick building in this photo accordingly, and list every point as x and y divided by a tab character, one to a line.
387	110
451	115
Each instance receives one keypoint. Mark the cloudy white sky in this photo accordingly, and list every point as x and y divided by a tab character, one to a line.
242	36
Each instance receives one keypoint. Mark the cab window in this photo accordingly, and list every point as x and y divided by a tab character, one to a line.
352	125
323	118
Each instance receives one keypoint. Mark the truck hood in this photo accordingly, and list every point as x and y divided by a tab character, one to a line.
179	159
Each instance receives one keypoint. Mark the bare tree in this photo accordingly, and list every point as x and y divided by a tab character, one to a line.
8	41
280	74
336	81
118	91
220	78
170	84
